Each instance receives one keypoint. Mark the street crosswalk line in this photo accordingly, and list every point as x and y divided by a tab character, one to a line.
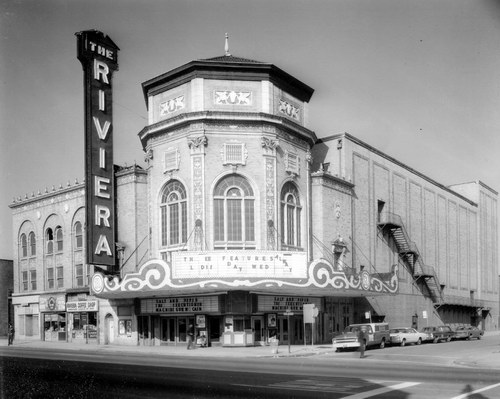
467	394
380	391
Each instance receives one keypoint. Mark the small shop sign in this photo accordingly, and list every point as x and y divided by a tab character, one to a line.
82	306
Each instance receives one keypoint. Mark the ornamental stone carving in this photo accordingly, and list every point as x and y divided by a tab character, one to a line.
197	142
270	201
269	144
309	157
148	156
171	105
197	165
232	97
289	110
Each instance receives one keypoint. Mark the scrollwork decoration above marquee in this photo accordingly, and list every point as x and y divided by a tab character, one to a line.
155	275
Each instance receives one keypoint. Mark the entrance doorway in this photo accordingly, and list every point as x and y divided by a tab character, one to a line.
167	330
283	335
257	325
214	329
171	330
292	330
143	330
109	328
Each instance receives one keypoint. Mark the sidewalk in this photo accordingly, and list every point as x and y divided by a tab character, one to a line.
180	350
487	357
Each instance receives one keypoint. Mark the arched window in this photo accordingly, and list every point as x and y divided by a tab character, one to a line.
173	209
59	239
24	246
78	235
49	241
290	216
234	220
32	244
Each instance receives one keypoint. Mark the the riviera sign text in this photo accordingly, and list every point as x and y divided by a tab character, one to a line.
98	55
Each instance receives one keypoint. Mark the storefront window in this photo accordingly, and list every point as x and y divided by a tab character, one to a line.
241	323
84	325
125	327
54	326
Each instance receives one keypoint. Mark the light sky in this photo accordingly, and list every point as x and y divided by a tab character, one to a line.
418	80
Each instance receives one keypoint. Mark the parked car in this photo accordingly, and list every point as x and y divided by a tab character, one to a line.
406	335
468	332
440	333
378	334
428	337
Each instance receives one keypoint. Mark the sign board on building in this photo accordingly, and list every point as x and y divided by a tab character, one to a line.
239	264
310	313
99	57
200	321
190	304
284	303
52	303
82	306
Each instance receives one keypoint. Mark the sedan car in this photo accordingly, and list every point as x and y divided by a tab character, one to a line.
439	333
406	335
468	332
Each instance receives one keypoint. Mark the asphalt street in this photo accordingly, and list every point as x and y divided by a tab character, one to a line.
459	369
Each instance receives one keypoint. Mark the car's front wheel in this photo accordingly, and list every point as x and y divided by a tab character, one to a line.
403	342
448	339
419	341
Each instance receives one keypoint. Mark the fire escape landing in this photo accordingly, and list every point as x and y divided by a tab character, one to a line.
393	225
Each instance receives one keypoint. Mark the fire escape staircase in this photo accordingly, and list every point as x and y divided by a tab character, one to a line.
392	224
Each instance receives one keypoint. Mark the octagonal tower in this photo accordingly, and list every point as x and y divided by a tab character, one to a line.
228	151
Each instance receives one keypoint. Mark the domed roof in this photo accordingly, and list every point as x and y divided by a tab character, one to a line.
227	67
232	58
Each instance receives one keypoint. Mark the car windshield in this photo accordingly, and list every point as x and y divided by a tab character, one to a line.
356	328
398	330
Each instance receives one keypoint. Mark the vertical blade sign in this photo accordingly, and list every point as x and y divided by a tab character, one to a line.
99	57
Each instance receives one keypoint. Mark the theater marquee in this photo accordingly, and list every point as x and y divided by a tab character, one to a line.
99	57
262	271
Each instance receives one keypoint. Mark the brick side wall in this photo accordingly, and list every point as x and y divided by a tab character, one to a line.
6	285
456	236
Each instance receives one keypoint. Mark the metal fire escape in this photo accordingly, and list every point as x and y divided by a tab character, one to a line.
392	224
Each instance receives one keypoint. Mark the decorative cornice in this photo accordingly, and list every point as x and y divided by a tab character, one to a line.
228	119
242	70
55	195
36	203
